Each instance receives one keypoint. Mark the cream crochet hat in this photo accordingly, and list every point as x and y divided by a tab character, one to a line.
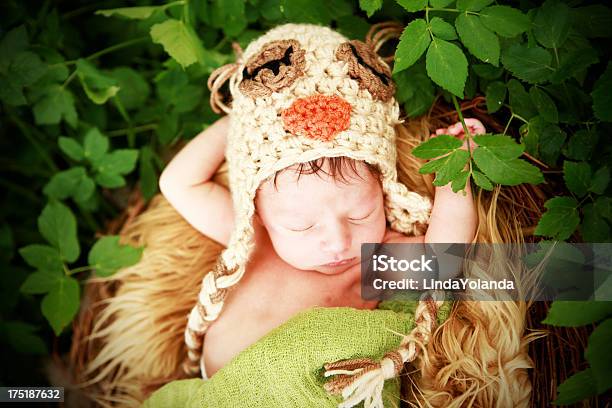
299	92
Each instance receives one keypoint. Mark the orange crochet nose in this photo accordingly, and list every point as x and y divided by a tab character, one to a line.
317	116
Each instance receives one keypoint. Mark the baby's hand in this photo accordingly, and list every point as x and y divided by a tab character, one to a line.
474	126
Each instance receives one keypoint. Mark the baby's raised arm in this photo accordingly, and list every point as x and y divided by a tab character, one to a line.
186	183
453	216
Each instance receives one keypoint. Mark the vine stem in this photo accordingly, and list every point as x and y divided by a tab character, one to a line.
39	149
186	16
69	79
125	115
108	50
80	269
465	130
135	129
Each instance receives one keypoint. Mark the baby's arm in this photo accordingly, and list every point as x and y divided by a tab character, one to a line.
186	183
453	216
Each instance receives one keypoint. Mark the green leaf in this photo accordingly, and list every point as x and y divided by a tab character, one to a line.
551	139
137	13
447	66
593	21
57	225
577	177
496	95
148	175
507	172
433	165
167	128
191	95
602	96
370	6
26	68
561	219
61	304
121	161
341	8
482	181
410	5
458	183
581	145
229	15
21	336
552	24
41	282
179	41
573	63
600	180
520	102
502	146
42	257
413	42
311	11
593	227
84	190
98	86
472	5
414	89
95	145
529	64
109	180
67	183
12	44
544	104
504	20
487	71
576	388
599	356
440	3
107	256
603	205
442	29
577	313
56	104
353	26
481	42
455	162
11	93
71	148
133	89
437	146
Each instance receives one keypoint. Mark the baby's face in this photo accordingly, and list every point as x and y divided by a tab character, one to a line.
316	220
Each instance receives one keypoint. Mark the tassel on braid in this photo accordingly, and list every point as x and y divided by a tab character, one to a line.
363	379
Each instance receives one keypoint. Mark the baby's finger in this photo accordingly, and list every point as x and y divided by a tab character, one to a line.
441	131
455	129
475	126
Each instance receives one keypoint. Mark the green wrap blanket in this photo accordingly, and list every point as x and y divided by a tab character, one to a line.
284	368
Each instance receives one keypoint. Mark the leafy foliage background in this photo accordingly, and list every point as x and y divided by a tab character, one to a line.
93	95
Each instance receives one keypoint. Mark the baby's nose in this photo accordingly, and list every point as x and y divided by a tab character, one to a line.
317	116
336	240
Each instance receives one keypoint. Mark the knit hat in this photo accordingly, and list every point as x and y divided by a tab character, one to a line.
299	92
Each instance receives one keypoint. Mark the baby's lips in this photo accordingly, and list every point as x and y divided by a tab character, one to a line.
317	116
